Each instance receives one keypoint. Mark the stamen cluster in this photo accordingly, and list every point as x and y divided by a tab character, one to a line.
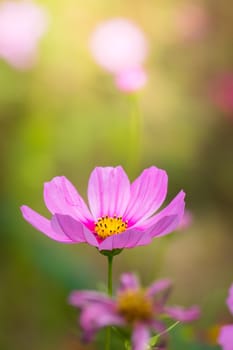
134	305
108	226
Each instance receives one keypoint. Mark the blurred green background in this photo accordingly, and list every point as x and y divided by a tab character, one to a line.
65	116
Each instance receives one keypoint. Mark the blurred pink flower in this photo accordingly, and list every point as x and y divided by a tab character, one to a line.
140	309
230	299
131	80
120	47
191	21
186	221
225	338
121	214
21	26
221	92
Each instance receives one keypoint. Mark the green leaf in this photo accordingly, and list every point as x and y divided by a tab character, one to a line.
127	345
153	340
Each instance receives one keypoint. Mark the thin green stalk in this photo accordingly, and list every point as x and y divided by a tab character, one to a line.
154	339
108	334
135	133
110	260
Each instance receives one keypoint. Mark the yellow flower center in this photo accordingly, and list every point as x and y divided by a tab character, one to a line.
135	305
108	226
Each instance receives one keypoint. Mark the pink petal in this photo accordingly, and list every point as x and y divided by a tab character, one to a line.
128	239
174	211
61	197
98	316
75	230
44	225
186	220
165	226
225	338
82	298
131	80
148	192
161	329
158	287
140	337
128	281
108	191
230	299
181	314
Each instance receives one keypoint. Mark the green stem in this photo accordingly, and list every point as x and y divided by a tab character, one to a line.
108	335
169	328
135	133
110	260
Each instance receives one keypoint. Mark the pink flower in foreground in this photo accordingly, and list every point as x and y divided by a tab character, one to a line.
142	310
225	338
121	214
21	26
221	92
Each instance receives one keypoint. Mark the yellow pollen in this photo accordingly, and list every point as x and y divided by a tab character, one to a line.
108	226
135	305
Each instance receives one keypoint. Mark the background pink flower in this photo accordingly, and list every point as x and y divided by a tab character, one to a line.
230	299
221	92
118	45
140	309
225	338
22	24
191	21
131	80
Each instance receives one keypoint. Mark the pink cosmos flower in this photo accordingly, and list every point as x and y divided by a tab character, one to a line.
221	92
142	310
120	214
22	24
225	338
191	21
131	80
119	46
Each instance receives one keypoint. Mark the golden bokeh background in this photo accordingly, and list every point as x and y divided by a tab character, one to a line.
65	116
